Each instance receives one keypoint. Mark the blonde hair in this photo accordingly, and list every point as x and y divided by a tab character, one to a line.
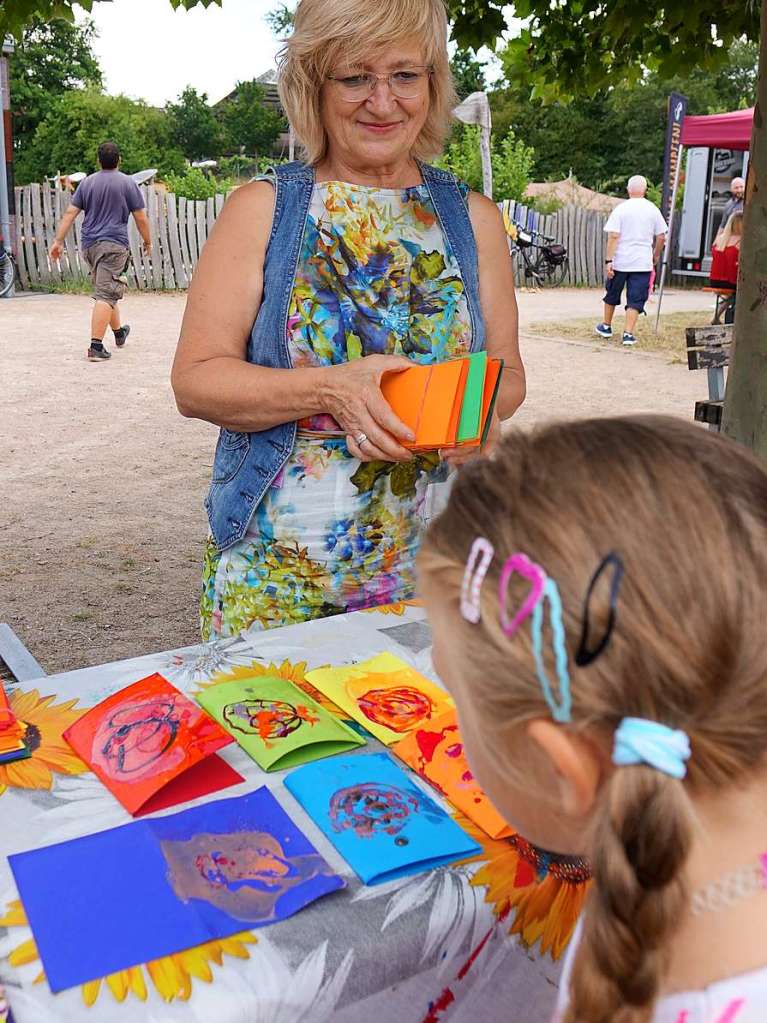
735	220
687	513
327	33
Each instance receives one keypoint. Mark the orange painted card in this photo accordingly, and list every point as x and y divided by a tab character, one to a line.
434	429
489	394
435	752
142	741
455	418
406	394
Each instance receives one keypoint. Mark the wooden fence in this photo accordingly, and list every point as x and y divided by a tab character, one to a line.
180	227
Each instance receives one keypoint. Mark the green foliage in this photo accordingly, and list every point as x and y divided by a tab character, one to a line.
280	20
17	14
512	162
50	59
468	73
193	126
69	136
193	184
248	125
245	167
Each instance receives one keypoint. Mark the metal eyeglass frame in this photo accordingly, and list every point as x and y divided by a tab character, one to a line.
374	79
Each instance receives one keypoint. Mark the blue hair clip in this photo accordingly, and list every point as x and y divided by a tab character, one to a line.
560	711
639	741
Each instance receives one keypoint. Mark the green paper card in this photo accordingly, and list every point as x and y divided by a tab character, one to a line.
276	723
471	410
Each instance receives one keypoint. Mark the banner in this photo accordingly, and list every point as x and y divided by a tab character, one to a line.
677	108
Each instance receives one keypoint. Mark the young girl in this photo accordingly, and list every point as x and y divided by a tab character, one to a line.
598	592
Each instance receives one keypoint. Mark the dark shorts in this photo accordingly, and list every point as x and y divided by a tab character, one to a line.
637	284
108	262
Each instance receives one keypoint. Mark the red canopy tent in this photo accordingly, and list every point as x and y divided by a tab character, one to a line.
719	131
715	131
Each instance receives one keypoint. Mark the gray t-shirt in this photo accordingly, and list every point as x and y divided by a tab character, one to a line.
107	198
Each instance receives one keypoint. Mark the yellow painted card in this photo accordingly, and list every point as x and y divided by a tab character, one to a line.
384	694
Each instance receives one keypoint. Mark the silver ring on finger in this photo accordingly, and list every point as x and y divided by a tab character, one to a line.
360	438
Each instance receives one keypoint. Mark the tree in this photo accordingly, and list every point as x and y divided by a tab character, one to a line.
468	73
248	123
512	162
194	127
69	136
50	59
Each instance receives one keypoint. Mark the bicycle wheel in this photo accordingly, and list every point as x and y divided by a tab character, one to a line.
551	274
7	274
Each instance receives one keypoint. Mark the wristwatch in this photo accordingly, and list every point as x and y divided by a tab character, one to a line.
608	261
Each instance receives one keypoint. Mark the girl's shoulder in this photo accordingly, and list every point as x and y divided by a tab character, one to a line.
740	999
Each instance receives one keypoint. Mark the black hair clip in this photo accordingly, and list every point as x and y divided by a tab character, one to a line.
583	655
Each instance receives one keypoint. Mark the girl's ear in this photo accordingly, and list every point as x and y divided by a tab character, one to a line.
575	762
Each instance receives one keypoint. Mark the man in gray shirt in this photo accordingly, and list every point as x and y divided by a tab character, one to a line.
107	198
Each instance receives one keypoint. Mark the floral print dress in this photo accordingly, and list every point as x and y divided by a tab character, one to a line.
376	276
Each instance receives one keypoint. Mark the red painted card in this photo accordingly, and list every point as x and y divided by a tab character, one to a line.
152	747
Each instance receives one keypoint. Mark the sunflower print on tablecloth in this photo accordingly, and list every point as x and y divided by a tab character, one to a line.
44	723
375	276
171	976
545	892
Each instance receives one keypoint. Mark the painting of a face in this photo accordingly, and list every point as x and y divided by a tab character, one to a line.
443	761
244	873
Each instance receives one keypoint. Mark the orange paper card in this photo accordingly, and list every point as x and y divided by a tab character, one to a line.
435	752
441	396
406	394
152	746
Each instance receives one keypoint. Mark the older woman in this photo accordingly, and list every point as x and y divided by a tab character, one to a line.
313	285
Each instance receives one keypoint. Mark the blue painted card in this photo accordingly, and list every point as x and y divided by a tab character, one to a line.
122	897
380	821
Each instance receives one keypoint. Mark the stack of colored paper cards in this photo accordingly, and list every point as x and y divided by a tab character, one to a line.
383	825
154	888
386	695
152	747
446	405
276	723
12	745
435	752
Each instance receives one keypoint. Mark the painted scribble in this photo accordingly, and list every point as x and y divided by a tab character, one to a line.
243	874
268	719
369	808
399	708
442	762
134	737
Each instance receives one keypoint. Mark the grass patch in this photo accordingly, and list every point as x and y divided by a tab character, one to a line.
670	336
76	286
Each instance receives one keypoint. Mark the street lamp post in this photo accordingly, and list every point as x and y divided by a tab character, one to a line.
6	49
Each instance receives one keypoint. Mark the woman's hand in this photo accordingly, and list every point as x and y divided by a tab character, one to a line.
352	395
456	457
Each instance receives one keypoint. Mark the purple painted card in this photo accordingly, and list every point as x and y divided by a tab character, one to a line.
123	897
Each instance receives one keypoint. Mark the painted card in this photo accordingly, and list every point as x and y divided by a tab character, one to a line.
276	723
380	821
156	887
152	746
436	753
12	745
384	694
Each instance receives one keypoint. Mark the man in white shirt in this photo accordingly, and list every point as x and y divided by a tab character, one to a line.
636	232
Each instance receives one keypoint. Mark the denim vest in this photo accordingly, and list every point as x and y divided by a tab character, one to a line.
246	464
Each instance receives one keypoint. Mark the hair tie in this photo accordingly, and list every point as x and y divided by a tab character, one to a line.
560	711
521	564
584	656
639	741
480	556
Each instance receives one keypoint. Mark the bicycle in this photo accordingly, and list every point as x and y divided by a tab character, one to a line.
8	271
545	262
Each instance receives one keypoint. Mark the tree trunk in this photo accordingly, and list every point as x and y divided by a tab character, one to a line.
745	407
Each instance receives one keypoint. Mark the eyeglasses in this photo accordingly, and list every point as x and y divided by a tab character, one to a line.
405	84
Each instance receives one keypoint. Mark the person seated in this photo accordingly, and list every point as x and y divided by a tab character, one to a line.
724	260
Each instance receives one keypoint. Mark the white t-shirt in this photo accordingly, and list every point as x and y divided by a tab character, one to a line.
740	999
638	223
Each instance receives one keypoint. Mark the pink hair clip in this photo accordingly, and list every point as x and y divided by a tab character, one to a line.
480	556
535	575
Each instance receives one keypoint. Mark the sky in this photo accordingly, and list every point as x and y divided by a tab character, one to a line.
149	51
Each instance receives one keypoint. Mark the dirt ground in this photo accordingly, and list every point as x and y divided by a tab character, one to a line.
101	517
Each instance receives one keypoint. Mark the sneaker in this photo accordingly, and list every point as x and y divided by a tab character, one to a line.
121	335
604	330
628	339
96	354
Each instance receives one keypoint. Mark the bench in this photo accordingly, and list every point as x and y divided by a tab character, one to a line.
725	298
16	662
709	348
